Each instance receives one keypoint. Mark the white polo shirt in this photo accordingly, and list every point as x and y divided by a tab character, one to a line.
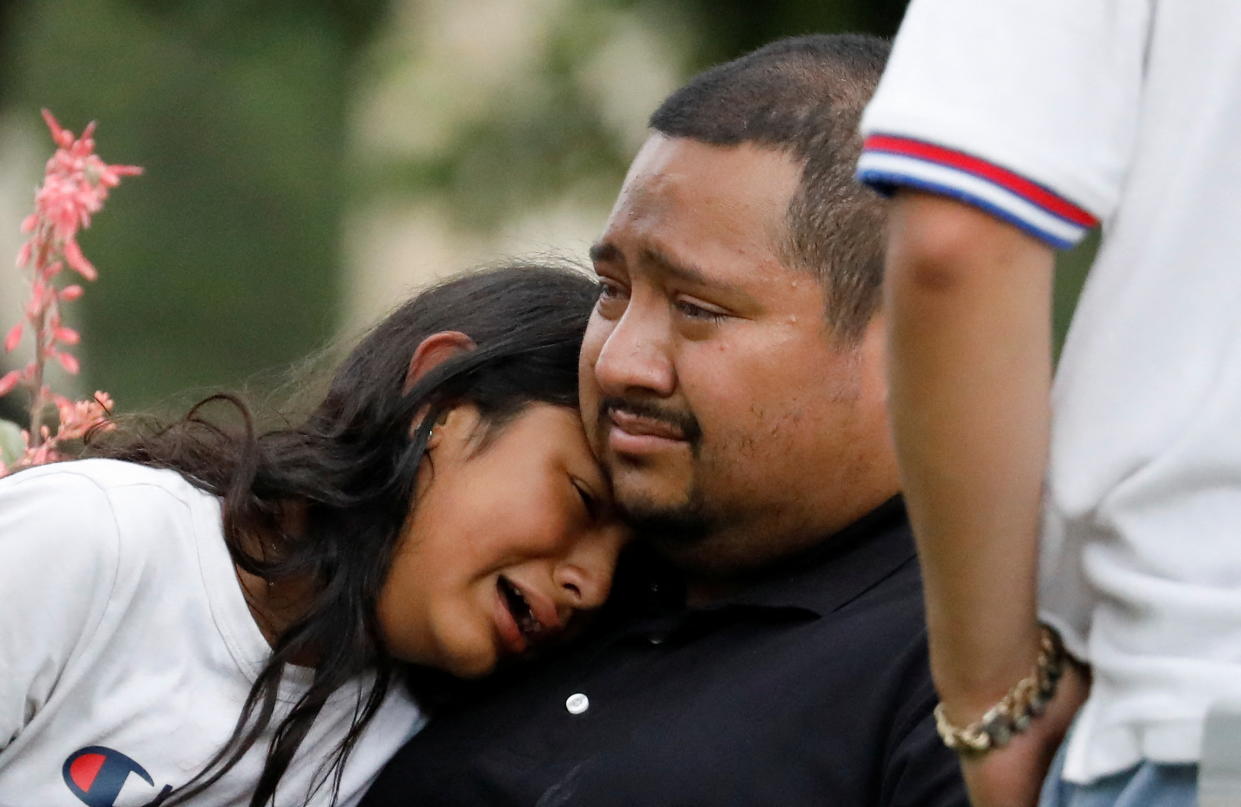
1056	115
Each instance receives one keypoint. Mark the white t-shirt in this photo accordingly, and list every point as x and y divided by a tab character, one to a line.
127	649
1055	115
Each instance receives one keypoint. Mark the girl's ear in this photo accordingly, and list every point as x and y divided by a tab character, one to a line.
452	421
434	351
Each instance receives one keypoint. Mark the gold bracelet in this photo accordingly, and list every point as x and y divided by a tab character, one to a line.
1025	701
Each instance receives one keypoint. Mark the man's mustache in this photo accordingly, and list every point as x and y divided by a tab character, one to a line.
683	422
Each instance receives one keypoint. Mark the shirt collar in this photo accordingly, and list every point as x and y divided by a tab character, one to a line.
811	583
834	572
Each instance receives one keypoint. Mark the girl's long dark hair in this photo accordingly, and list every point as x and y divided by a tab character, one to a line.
352	465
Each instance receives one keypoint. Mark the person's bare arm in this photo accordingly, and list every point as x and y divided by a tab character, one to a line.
969	309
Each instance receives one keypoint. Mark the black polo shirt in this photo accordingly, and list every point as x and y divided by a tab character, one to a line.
809	688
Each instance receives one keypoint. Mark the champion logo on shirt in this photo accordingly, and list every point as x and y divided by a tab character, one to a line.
97	775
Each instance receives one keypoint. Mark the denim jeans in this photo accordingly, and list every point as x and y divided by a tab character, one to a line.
1144	785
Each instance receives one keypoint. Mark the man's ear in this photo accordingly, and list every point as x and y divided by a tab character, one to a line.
434	351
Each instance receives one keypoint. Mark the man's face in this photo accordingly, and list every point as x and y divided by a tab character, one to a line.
735	426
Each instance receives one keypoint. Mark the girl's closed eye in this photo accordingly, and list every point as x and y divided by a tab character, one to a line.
590	501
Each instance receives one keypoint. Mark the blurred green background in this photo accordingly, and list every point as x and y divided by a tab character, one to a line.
310	163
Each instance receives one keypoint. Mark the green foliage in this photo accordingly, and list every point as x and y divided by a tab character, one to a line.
1072	268
546	132
738	26
11	447
223	258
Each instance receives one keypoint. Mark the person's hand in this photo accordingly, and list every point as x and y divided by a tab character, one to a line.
1013	775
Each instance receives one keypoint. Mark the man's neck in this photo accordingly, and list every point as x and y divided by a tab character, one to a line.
711	581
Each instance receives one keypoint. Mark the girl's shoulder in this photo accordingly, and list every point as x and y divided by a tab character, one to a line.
115	484
108	510
103	474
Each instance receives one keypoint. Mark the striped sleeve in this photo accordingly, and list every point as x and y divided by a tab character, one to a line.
891	161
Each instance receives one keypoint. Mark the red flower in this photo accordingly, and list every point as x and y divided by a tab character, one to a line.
75	185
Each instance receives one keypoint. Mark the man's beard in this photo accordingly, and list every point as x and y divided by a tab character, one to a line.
668	527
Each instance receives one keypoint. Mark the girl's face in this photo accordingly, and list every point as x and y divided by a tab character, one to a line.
505	544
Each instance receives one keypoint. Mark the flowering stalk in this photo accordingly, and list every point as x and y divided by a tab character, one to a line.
75	184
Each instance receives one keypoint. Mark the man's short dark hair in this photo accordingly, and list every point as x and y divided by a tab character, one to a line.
803	96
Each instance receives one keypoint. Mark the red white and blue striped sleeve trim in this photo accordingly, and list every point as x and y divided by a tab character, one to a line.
889	161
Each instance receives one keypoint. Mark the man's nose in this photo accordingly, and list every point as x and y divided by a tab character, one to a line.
635	356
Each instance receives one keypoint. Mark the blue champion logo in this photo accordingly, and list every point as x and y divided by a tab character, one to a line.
96	775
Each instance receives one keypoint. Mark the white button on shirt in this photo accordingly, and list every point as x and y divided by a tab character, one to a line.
577	703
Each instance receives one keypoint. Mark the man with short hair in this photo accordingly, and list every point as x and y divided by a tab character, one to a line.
732	384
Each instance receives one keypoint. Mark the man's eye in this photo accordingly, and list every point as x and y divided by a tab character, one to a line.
694	311
610	290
